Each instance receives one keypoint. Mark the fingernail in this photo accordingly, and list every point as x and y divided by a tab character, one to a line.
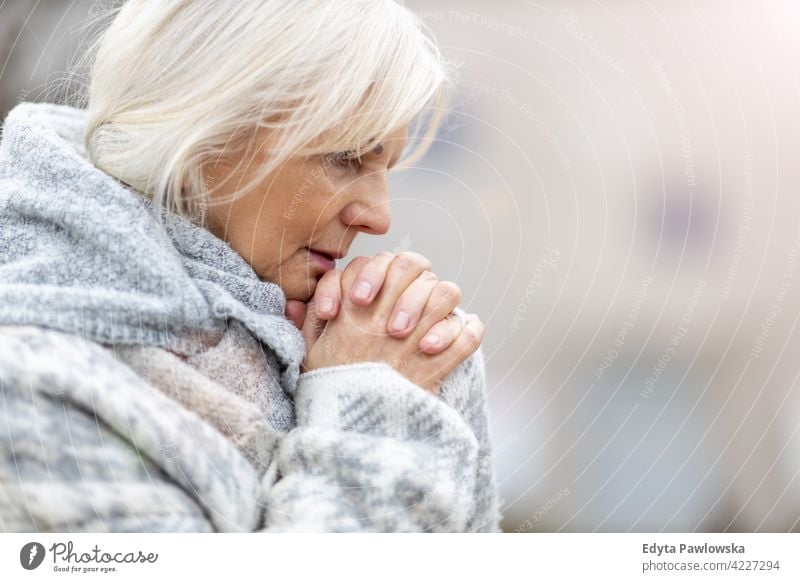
400	321
363	290
430	340
326	304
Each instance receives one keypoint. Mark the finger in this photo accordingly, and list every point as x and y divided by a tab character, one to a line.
467	342
327	295
402	272
443	300
295	312
441	335
349	275
470	338
370	280
313	325
410	305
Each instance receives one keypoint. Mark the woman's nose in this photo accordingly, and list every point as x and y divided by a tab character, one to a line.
373	218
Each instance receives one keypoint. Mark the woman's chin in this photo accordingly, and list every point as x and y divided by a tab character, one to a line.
300	290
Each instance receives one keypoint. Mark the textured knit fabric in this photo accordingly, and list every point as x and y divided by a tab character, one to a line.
81	252
150	381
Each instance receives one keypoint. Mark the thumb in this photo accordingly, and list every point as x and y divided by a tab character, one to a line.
295	312
313	325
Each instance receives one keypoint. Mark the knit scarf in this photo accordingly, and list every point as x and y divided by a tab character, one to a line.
82	253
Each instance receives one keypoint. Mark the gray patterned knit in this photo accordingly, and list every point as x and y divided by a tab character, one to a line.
150	381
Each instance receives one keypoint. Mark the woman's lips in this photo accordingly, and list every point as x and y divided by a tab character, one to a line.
324	261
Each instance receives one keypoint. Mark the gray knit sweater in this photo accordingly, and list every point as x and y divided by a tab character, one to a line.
150	381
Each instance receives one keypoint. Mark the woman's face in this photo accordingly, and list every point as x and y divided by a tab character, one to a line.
318	203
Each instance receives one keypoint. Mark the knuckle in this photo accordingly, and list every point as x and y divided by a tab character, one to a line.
384	255
410	261
475	320
402	262
414	258
450	291
356	264
474	333
473	337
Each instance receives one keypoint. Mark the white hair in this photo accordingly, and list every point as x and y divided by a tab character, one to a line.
175	85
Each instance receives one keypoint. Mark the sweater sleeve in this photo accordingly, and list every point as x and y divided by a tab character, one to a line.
375	452
466	391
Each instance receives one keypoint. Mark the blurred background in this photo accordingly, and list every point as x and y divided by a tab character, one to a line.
616	193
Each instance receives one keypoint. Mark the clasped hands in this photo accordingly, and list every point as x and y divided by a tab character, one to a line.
388	308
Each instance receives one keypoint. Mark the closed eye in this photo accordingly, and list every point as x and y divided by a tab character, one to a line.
345	159
352	159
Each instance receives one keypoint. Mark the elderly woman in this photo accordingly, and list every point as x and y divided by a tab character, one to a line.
178	351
